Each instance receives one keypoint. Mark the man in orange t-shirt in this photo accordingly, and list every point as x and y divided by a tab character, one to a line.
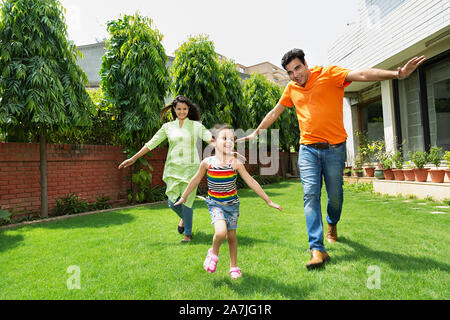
317	95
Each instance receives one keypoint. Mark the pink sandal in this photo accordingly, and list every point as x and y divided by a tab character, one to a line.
210	262
235	273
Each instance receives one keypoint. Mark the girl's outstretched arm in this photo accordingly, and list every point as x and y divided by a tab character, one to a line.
252	183
194	182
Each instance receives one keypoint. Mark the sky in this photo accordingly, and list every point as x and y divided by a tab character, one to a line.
247	31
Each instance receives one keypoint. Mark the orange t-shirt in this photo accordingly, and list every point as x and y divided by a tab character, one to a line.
319	105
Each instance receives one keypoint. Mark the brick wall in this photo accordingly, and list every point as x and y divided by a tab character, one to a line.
86	170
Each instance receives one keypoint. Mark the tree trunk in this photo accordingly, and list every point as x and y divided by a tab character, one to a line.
43	168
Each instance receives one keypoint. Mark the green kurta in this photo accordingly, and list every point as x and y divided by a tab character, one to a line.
182	157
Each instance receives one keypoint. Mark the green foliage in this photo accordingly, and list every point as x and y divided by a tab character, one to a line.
419	158
358	162
435	155
370	150
134	77
397	159
104	129
40	83
101	203
197	75
71	204
358	187
446	157
142	179
234	95
386	161
260	96
5	217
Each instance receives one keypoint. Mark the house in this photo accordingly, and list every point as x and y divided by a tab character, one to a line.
91	62
411	114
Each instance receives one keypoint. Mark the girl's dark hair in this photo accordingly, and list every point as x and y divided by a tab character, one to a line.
291	55
193	114
219	127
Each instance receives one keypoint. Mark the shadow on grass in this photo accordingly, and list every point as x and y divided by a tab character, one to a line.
8	242
251	285
397	261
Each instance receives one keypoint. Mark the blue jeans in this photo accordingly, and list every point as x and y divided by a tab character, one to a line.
184	213
315	164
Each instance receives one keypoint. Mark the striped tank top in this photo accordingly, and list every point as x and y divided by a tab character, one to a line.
222	184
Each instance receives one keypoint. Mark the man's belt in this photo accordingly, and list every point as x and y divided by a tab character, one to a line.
323	145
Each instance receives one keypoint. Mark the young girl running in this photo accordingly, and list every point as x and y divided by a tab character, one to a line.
222	200
182	158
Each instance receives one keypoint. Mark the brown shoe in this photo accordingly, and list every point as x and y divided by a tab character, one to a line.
318	258
331	233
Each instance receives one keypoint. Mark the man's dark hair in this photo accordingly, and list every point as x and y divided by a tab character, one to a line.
291	55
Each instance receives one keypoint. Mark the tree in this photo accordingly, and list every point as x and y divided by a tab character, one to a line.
234	95
260	96
196	74
134	77
135	81
41	87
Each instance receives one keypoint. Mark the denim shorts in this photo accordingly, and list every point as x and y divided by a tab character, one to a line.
229	213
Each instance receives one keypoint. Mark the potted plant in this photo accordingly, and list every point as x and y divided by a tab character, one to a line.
397	159
357	168
348	171
446	157
420	159
386	163
437	175
408	171
378	151
366	150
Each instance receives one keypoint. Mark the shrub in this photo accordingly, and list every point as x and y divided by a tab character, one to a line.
386	161
5	217
70	204
446	157
397	159
435	156
419	158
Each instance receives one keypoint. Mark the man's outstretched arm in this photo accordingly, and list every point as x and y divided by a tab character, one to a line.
270	118
366	75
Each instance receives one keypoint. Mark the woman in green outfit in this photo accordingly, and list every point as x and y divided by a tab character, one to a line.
182	157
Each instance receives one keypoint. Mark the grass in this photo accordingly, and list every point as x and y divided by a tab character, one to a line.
136	253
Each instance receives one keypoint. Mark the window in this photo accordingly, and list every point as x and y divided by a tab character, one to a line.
371	119
410	113
438	99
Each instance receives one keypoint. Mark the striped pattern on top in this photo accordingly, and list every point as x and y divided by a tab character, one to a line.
222	184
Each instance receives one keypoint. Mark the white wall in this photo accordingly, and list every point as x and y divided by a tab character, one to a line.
387	27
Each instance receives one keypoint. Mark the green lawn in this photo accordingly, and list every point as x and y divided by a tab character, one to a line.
136	253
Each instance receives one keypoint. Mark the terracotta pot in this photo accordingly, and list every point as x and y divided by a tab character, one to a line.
398	174
437	176
409	175
388	174
447	172
421	174
370	171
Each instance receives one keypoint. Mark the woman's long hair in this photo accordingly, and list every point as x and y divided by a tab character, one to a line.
193	114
